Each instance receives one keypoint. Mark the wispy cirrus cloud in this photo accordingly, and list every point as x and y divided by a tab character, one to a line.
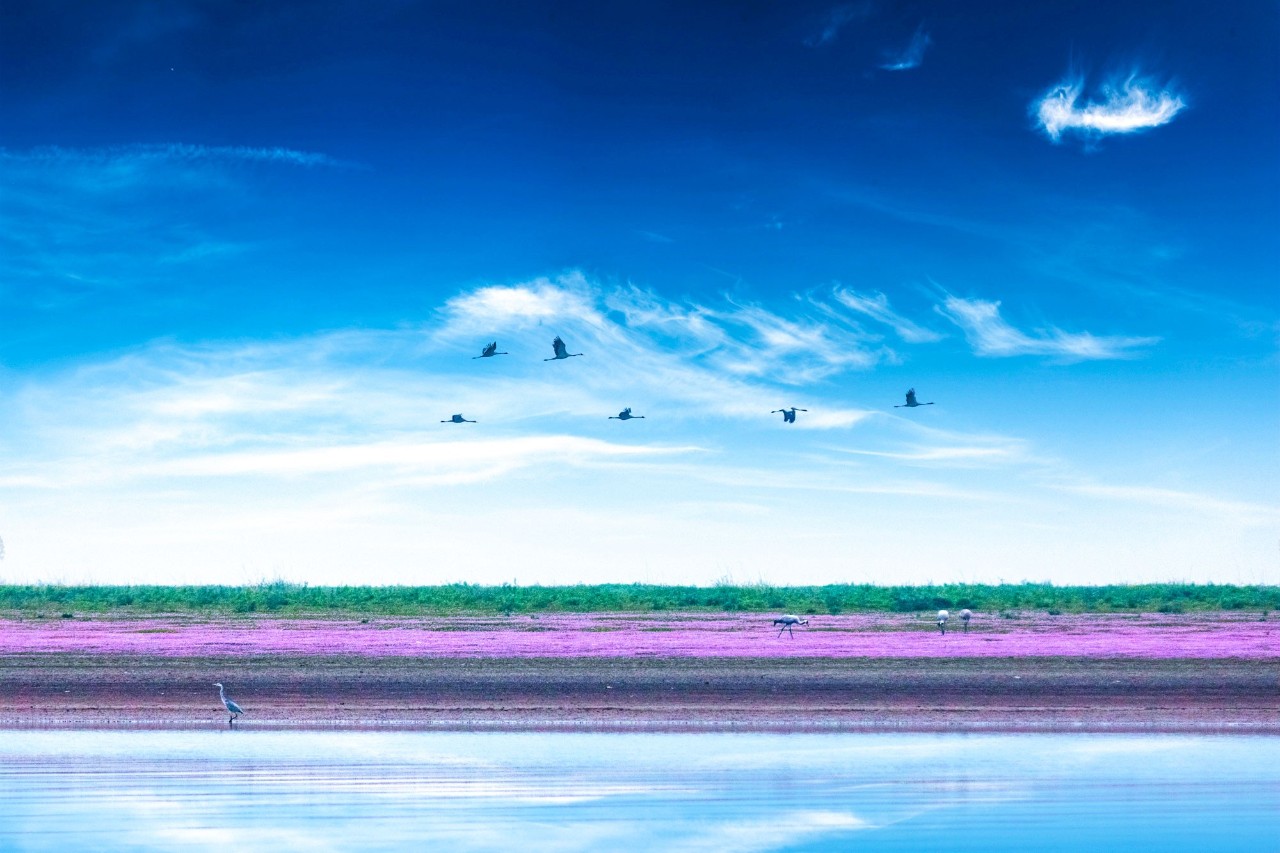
952	455
264	445
791	351
725	338
991	335
82	221
836	20
126	157
1242	512
876	306
1129	105
911	56
343	401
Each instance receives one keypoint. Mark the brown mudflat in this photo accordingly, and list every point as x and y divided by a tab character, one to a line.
1033	694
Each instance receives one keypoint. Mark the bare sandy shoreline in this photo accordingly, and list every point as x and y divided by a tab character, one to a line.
78	690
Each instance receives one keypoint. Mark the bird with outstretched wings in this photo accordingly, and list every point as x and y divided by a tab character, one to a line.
561	351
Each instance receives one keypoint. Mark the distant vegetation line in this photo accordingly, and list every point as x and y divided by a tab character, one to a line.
301	599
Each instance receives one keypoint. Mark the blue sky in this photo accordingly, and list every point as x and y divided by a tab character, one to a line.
247	253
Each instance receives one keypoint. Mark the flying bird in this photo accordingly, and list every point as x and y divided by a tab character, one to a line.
787	622
625	415
942	621
788	415
230	705
965	616
489	351
911	401
561	350
457	419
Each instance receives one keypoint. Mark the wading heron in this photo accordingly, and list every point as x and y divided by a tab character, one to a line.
457	419
561	350
788	415
912	402
489	352
231	706
625	415
787	622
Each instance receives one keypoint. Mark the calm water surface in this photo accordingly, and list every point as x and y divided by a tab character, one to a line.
282	791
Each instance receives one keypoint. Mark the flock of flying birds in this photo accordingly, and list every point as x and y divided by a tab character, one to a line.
787	621
562	352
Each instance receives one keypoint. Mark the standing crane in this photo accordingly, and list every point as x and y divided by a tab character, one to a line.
942	621
787	621
911	401
625	415
229	704
965	616
489	351
561	350
788	415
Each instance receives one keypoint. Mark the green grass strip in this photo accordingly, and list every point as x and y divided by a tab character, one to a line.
302	599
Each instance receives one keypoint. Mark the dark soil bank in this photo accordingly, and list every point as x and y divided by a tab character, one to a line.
79	690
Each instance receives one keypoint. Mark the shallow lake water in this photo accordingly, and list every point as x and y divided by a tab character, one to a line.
284	791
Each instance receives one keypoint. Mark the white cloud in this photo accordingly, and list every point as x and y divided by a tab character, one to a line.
567	300
1242	512
463	460
1125	106
836	20
366	400
68	236
950	455
911	56
724	342
876	306
991	335
790	351
123	157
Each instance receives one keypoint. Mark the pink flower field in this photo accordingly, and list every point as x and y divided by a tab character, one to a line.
688	635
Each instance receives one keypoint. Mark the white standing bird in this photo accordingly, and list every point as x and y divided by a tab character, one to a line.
561	350
231	706
788	415
489	352
457	419
965	616
625	415
912	402
787	621
942	620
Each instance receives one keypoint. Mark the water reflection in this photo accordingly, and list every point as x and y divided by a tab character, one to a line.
136	790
